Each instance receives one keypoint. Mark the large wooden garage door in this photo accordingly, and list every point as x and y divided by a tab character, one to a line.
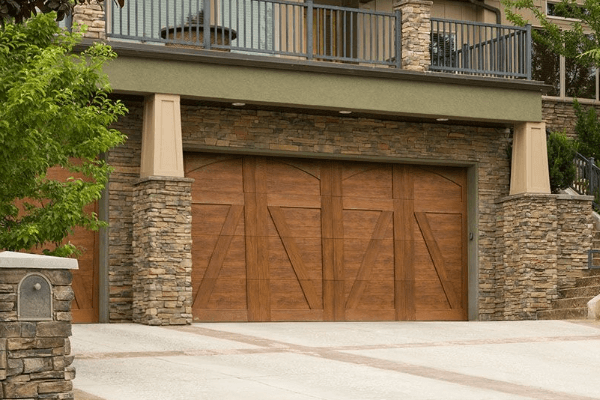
302	240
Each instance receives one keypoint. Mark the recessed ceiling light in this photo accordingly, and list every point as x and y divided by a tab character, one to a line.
442	119
345	112
238	104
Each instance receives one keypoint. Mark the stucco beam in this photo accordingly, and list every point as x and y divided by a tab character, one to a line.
376	94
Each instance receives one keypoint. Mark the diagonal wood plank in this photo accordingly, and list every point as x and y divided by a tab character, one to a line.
294	256
81	294
438	259
217	258
364	273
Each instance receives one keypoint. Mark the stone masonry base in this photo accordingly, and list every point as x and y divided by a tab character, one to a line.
543	244
162	235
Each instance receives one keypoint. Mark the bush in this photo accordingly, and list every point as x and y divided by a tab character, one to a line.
561	152
588	132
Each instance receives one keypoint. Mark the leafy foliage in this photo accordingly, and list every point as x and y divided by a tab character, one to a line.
561	152
55	112
20	10
587	128
575	42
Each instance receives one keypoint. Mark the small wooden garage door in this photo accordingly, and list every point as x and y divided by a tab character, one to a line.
85	279
279	239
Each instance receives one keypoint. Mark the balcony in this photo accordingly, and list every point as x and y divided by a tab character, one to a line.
316	32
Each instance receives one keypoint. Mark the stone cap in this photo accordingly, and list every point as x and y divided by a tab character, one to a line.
11	259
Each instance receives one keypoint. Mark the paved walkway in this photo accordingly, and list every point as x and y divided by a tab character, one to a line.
339	361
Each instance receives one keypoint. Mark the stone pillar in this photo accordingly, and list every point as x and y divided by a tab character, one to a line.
35	325
529	169
162	151
162	242
416	33
91	15
543	240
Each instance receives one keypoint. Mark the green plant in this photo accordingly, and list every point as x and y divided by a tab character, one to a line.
55	113
561	152
587	128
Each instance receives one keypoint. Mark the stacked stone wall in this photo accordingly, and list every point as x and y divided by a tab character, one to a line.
162	278
543	242
91	15
125	160
35	360
560	115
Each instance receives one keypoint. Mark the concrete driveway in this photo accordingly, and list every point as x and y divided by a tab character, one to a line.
339	361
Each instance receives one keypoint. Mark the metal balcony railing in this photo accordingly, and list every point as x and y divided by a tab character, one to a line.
274	27
310	31
481	49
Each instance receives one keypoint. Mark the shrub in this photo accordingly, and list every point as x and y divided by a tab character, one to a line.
561	152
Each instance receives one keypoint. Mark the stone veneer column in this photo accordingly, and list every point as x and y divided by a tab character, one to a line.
543	240
162	242
416	33
91	15
35	360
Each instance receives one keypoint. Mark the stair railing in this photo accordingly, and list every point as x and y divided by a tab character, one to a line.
587	178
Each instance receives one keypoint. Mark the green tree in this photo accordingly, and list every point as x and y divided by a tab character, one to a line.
587	128
55	112
580	41
561	152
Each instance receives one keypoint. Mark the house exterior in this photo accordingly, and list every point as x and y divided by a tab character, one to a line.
307	162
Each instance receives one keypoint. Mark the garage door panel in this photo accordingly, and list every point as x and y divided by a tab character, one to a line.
210	197
222	177
289	179
429	295
360	224
209	219
374	182
332	240
370	315
378	294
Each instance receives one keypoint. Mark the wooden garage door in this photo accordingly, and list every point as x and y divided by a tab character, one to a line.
302	240
85	279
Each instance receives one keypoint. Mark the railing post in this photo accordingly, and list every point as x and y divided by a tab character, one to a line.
398	38
309	28
528	51
591	164
206	24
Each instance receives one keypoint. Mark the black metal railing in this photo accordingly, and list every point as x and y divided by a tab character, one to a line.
312	31
273	27
482	49
587	178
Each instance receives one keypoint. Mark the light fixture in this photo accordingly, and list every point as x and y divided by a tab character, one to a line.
442	119
238	104
345	112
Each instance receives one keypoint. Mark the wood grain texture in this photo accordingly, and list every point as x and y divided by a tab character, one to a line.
329	240
364	273
218	257
295	257
438	260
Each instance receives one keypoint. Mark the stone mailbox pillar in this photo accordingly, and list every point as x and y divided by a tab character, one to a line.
35	325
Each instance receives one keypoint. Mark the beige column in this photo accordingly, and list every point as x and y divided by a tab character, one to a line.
416	33
529	170
162	150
